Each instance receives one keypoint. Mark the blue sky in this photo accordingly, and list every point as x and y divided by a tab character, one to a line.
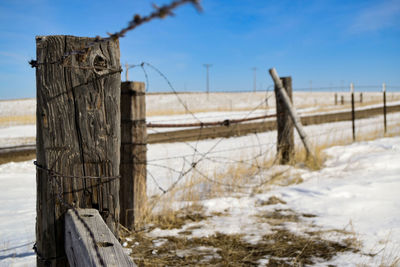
322	43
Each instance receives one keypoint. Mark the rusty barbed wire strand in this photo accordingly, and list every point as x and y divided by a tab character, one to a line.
137	20
212	152
57	174
194	164
204	155
226	122
173	90
223	115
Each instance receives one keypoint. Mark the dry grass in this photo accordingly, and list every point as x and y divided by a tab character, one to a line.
17	120
279	248
169	112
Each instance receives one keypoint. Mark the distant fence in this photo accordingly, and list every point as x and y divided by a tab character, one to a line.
258	127
201	133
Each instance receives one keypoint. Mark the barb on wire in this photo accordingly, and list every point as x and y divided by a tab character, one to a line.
137	20
226	122
159	12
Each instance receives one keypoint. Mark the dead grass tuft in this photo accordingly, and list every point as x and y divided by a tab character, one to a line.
175	219
281	248
271	201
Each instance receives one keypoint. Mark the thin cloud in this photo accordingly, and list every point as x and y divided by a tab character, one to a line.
377	17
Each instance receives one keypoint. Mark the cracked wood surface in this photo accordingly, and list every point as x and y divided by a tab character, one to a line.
78	133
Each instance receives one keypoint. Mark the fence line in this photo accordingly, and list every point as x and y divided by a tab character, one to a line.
243	129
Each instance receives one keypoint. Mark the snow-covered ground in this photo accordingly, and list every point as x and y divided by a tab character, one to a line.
17	214
356	190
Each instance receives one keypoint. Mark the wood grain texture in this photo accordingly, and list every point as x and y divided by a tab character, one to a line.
85	251
285	128
133	195
78	133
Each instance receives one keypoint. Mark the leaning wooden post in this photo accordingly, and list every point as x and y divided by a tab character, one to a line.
353	118
384	107
292	112
133	154
285	128
78	137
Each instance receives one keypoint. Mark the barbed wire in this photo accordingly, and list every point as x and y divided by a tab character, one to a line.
204	115
137	20
226	122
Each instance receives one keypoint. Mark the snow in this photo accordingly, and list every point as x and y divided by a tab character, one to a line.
17	214
360	187
357	190
17	135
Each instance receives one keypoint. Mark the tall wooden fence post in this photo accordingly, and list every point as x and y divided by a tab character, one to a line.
78	137
335	99
133	154
285	145
342	100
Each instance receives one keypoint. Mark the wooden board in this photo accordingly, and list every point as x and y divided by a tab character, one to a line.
96	248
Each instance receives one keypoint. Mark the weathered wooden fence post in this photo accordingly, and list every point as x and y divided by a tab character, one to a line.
361	97
342	100
285	145
353	117
133	154
384	107
78	137
335	99
292	112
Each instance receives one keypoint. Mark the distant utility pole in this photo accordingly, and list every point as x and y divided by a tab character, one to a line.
208	79
255	79
127	67
126	71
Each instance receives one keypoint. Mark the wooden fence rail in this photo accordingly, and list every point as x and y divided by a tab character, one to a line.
8	153
259	127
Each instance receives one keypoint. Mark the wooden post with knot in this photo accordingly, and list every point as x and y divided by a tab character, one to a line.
133	154
78	137
285	127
